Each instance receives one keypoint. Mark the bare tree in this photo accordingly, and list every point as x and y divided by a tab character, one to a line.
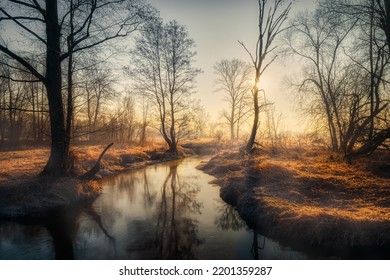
98	91
48	23
273	123
233	79
20	104
272	15
345	81
201	120
318	42
371	12
163	71
125	116
373	17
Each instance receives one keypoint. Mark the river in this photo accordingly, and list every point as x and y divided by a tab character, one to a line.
165	211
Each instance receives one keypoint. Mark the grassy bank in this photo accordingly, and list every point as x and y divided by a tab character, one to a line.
309	196
24	193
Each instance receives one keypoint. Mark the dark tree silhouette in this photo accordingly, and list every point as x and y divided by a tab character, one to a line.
48	24
364	127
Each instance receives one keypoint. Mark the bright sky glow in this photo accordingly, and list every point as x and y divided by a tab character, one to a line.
217	26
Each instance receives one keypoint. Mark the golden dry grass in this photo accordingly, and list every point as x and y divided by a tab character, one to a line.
17	165
308	194
22	192
21	165
317	185
116	158
25	164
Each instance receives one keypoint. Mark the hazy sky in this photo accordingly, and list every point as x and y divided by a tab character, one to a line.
217	26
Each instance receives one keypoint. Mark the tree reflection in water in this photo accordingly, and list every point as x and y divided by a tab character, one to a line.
175	231
63	226
149	198
257	245
151	213
229	219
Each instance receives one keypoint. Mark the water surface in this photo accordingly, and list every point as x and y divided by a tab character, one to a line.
165	211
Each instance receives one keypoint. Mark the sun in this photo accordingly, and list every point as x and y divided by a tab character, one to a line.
259	84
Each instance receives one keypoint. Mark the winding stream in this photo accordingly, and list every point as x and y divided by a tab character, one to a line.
165	211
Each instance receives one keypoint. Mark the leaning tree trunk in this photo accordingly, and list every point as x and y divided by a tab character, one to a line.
96	168
58	163
370	146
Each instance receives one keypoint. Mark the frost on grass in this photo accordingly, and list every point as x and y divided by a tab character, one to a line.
308	196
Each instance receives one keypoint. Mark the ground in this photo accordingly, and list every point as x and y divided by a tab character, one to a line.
24	193
311	196
25	164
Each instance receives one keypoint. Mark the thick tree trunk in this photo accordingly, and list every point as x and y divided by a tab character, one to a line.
172	150
58	163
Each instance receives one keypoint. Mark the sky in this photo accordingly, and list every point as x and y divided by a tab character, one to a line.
217	26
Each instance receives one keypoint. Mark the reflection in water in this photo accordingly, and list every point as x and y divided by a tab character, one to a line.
255	245
149	198
166	211
98	220
175	229
229	218
59	232
63	227
19	239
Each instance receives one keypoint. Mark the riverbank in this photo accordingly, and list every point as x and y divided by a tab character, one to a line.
24	193
309	197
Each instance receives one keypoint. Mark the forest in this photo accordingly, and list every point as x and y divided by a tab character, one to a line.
90	89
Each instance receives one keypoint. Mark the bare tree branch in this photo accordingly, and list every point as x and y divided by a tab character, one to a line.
23	62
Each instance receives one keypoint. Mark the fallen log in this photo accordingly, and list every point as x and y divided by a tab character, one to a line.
96	168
